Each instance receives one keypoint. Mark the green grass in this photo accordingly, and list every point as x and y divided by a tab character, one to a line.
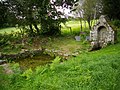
99	70
65	45
9	30
75	26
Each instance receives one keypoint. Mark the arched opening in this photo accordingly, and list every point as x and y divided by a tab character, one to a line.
102	35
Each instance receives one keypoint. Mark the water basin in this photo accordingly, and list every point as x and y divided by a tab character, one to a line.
35	61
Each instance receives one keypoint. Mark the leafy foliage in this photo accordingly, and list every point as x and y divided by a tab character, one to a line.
111	8
55	62
4	39
35	16
116	23
3	15
27	74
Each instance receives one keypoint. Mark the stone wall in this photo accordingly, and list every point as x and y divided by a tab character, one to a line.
23	54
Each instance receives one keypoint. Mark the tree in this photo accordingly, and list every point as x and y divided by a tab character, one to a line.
78	10
25	14
31	13
88	9
3	15
111	8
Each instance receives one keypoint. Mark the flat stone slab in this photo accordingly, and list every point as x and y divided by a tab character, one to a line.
77	38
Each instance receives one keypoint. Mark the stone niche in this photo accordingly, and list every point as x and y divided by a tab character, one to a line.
102	34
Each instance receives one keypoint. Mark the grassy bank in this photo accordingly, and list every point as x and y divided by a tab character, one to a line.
99	70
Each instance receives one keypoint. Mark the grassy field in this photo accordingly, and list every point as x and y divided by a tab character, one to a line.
75	26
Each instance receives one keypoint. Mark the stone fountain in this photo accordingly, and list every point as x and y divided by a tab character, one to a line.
102	33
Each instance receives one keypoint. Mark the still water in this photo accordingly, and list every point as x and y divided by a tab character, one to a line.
34	61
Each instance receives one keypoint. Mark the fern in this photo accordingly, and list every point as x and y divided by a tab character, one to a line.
55	62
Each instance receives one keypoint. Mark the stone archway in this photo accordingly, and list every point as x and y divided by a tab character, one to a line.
102	35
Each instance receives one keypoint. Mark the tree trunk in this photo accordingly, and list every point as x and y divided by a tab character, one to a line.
37	29
89	25
89	22
31	30
80	19
85	23
80	25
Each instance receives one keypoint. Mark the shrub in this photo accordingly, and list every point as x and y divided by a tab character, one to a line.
116	23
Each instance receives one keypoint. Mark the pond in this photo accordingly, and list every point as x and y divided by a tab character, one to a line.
34	61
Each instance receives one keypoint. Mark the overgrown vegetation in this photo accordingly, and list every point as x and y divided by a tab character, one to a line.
40	21
13	42
89	71
98	70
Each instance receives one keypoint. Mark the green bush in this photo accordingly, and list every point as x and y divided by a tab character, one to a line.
116	23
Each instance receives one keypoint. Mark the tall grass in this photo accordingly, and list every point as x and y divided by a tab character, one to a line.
99	70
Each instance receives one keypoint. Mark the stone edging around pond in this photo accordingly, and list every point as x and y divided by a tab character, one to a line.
53	53
23	54
30	53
